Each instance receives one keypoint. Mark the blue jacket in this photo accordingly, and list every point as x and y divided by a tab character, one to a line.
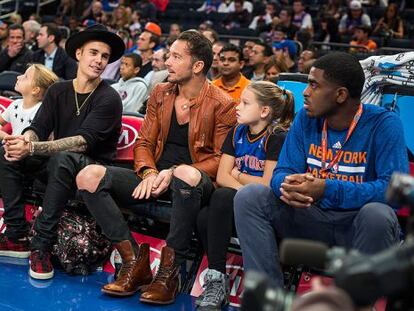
374	151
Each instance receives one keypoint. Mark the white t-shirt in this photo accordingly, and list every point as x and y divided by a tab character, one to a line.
19	117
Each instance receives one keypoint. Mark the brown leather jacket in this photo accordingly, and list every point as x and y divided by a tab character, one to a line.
212	114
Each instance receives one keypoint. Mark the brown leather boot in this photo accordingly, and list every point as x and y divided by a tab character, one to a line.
164	287
135	273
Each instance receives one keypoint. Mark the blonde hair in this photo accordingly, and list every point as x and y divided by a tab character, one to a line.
43	77
279	100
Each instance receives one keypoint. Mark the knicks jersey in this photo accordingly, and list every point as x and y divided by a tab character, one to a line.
250	154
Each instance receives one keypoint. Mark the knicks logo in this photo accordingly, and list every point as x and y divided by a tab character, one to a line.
128	136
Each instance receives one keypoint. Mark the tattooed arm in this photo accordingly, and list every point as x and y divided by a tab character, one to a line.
73	143
17	148
30	135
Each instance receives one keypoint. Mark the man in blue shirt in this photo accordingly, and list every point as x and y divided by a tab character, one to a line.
330	181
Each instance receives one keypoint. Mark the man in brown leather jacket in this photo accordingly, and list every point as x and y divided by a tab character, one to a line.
176	157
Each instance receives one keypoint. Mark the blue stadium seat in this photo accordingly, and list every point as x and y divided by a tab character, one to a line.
296	83
400	99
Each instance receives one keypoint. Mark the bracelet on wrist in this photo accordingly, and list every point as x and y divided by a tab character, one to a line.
149	171
31	148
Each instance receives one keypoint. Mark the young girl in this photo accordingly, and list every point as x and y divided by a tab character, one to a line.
250	154
32	85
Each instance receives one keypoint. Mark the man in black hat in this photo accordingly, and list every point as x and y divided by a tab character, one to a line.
84	117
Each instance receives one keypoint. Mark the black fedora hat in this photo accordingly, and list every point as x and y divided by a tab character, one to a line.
96	32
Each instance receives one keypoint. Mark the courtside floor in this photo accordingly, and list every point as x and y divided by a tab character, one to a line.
66	293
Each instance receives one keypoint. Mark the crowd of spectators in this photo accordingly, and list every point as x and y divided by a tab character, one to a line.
281	29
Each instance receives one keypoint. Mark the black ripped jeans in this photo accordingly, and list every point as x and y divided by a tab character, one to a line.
59	171
115	189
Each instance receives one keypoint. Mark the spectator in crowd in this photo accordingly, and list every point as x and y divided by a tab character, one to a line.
159	71
247	5
214	72
278	33
148	41
16	56
35	17
330	181
247	51
73	25
31	30
15	18
32	85
328	30
52	55
95	13
210	6
211	35
354	17
206	25
259	57
286	51
133	90
4	33
175	30
362	38
250	154
333	9
135	27
169	41
273	68
85	117
303	39
240	18
306	60
231	80
148	11
259	22
66	8
225	6
391	24
286	20
301	19
120	18
170	162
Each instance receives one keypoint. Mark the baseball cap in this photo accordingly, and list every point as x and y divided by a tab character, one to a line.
289	44
153	28
355	5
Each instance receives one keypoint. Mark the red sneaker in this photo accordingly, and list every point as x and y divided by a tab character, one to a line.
41	267
17	249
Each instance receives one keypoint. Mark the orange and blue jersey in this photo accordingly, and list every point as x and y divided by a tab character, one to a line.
250	154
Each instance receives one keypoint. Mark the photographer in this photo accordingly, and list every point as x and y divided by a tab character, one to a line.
332	173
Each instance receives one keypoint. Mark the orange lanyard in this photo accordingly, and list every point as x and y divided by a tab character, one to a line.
324	143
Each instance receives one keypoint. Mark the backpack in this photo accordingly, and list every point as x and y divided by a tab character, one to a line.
81	247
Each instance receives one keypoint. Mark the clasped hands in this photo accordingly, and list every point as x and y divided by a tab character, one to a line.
153	185
301	190
16	147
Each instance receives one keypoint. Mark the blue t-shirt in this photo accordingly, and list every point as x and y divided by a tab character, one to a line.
374	151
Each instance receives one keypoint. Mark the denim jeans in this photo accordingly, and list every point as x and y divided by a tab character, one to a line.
261	217
59	170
